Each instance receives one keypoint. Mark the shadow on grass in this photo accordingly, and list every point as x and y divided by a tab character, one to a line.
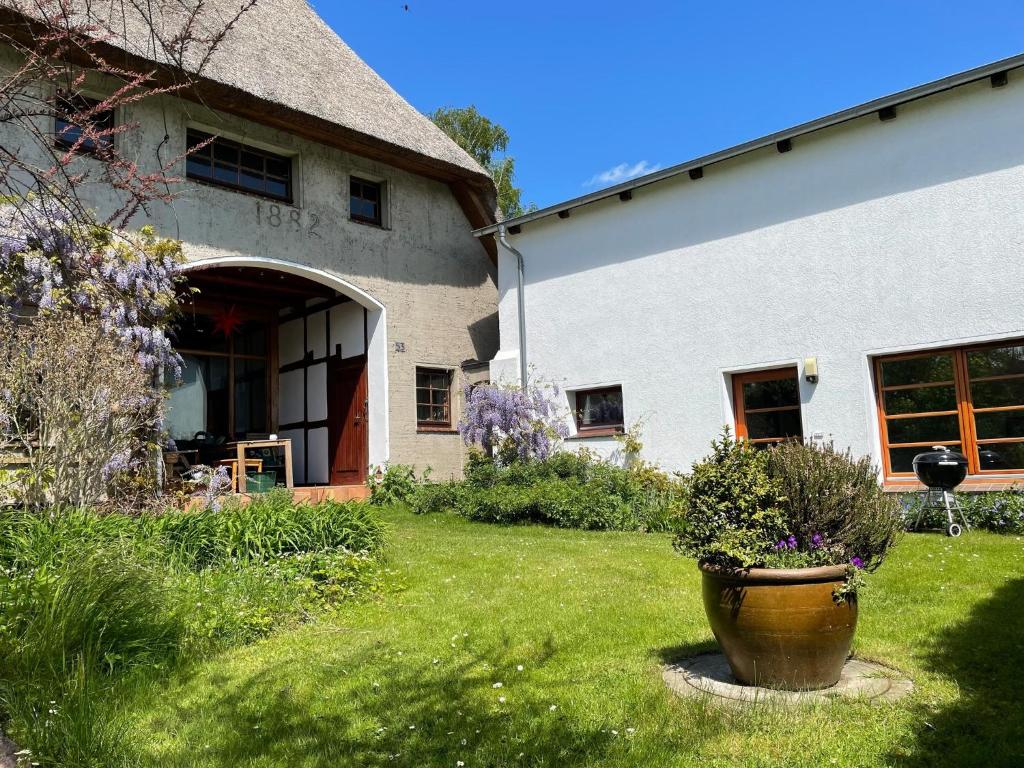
984	655
403	716
676	653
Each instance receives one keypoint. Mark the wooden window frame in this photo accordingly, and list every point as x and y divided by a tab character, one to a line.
599	430
740	412
968	441
377	221
432	425
269	358
107	116
195	136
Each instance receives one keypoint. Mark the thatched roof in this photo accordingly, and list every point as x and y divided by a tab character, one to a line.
283	53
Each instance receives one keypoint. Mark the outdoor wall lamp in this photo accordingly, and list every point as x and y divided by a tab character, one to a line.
811	370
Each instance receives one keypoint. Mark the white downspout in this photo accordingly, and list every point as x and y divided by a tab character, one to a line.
520	303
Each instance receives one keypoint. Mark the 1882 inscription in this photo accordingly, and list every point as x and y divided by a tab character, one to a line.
292	219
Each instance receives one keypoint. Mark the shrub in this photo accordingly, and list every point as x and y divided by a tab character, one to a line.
794	505
571	504
833	504
1000	511
396	486
734	514
437	497
80	371
568	489
81	411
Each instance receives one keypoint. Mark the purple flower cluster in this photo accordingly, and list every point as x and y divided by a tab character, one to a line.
117	464
817	541
212	483
48	261
525	425
788	543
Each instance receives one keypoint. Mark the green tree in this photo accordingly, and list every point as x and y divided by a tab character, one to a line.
483	140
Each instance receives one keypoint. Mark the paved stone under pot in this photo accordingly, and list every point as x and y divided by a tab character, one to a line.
708	675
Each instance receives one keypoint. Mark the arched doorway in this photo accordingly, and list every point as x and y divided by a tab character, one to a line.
276	348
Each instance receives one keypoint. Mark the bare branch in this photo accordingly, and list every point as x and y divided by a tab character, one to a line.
76	64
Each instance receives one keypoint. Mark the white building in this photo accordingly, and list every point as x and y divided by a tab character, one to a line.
856	278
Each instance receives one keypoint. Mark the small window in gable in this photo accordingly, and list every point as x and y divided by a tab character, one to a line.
227	163
366	201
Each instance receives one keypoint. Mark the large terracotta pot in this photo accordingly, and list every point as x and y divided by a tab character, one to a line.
781	628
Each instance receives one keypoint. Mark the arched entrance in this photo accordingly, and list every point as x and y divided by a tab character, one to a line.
276	348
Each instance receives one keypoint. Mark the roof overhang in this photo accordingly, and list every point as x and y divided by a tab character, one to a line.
697	165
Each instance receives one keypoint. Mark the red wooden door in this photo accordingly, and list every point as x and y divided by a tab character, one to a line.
347	420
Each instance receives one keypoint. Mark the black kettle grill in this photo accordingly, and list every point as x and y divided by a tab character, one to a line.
941	470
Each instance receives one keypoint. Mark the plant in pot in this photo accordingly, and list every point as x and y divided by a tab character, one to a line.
783	537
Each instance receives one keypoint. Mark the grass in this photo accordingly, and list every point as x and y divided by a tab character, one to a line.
95	608
410	678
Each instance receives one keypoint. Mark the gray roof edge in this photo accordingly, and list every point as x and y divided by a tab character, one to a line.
851	113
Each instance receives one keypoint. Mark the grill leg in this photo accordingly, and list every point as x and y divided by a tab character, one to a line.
953	528
960	512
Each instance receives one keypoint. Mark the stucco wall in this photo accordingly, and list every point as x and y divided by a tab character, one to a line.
866	238
432	277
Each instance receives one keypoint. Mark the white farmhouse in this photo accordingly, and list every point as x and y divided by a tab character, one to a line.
857	278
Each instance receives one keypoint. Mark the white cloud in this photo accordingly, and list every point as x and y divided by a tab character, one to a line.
621	172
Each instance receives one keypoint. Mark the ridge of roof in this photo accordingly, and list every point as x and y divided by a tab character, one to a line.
699	163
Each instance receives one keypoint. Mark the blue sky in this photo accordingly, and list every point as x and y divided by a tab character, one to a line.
594	92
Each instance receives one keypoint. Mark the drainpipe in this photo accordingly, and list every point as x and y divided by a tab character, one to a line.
520	305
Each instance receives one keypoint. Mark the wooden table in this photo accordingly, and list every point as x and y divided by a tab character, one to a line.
242	445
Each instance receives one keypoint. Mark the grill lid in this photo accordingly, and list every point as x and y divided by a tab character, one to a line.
940	467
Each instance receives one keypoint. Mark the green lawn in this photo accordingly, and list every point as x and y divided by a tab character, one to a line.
574	626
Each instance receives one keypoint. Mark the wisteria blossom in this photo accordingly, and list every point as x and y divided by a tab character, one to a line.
212	483
80	410
512	423
85	314
128	280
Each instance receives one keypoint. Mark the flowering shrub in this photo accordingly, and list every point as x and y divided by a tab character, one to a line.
127	280
84	319
512	423
792	506
835	509
81	412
